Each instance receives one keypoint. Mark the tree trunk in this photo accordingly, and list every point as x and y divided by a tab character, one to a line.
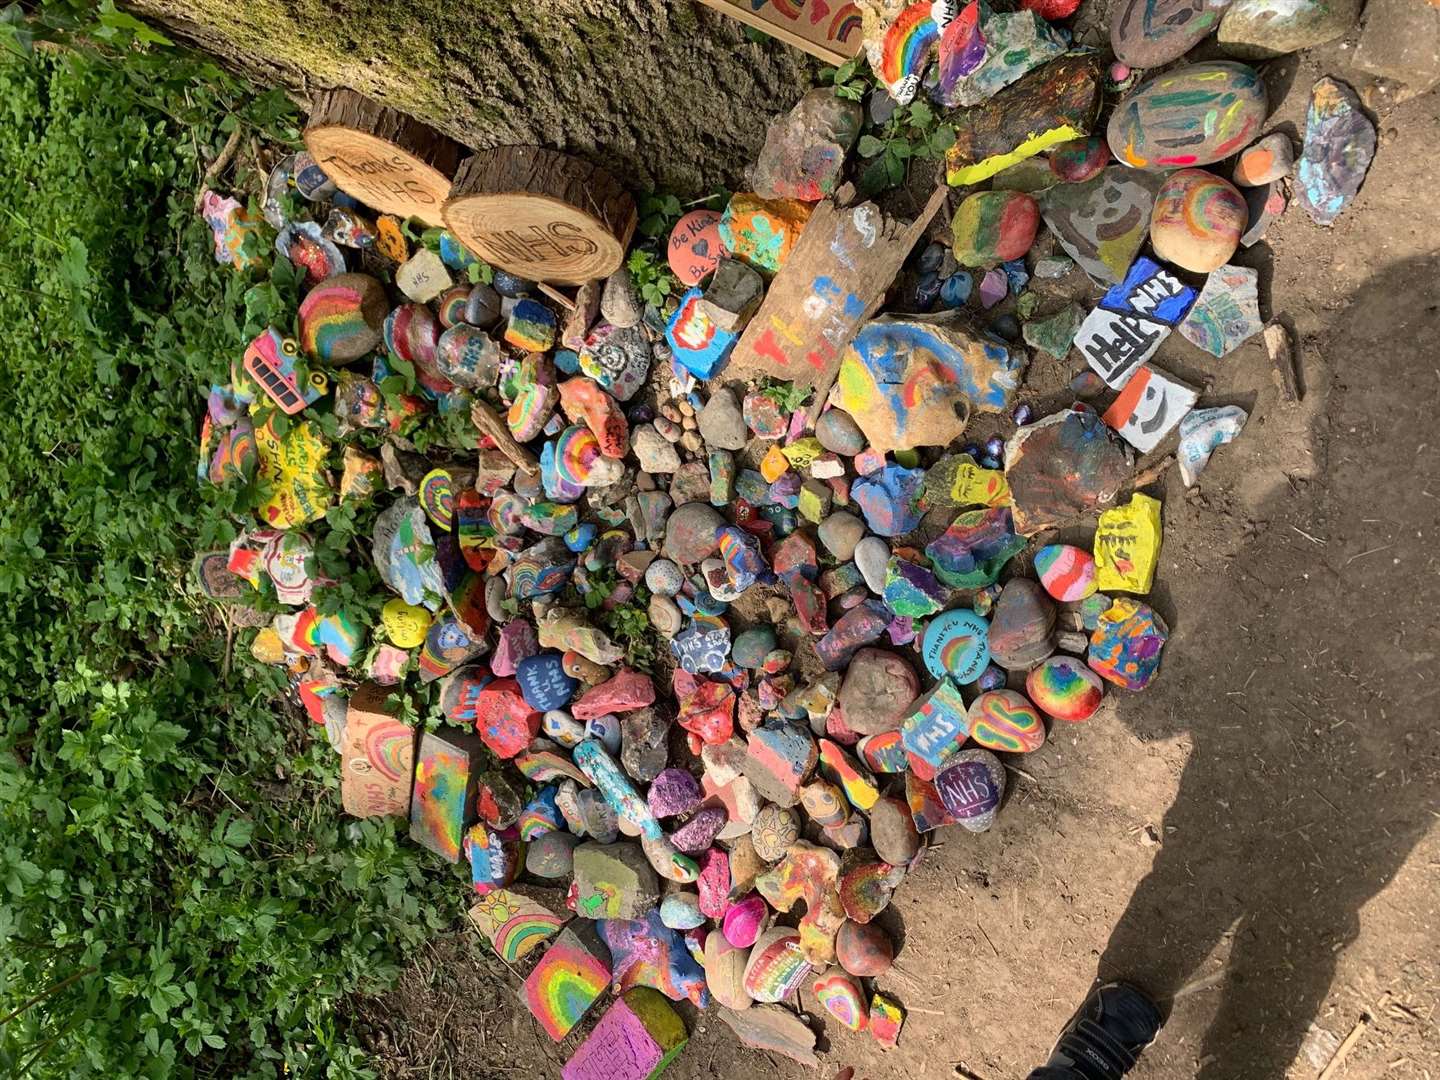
662	93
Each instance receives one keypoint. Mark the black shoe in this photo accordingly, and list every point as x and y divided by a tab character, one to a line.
1104	1039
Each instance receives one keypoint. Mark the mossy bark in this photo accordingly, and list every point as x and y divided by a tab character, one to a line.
666	95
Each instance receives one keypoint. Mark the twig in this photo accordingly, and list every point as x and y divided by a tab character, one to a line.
1343	1050
1147	476
1313	539
220	164
986	937
48	992
1372	551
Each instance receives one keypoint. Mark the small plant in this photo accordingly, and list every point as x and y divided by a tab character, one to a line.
912	132
789	397
658	214
849	80
653	279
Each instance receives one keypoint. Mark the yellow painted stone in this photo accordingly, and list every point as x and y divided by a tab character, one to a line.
976	486
774	465
802	452
267	647
406	624
292	473
1127	546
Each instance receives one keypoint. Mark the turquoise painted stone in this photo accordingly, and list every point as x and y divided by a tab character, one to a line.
911	591
1149	33
1193	115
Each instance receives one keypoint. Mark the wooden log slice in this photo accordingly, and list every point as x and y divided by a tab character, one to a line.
382	157
540	214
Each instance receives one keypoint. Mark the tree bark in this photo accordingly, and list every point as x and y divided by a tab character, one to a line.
665	95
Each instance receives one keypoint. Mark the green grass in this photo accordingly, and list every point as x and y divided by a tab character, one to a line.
177	884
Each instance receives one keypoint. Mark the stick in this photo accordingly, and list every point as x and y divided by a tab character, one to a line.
1281	348
556	295
219	165
490	423
1343	1050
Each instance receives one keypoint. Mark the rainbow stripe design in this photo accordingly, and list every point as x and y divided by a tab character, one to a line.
340	319
845	22
839	768
906	48
1003	720
532	327
513	924
437	810
865	889
887	1017
777	966
437	497
1067	572
1065	688
540	815
451	305
842	998
567	981
578	459
388	748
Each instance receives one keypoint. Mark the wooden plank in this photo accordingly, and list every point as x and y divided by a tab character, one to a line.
832	34
834	281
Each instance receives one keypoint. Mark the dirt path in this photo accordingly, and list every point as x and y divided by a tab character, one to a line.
1255	835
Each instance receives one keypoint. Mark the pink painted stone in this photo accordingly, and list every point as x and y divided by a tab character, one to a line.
584	402
714	883
624	692
744	921
506	722
517	642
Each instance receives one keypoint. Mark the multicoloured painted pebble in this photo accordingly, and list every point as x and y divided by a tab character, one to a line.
1067	572
342	319
1065	688
1125	647
1003	720
971	785
887	1017
864	949
1079	159
776	967
956	643
842	997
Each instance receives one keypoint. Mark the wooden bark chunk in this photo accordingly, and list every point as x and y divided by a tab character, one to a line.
542	215
491	423
382	157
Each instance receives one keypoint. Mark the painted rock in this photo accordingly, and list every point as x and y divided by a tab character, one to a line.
1197	220
1067	572
673	792
877	691
692	533
635	1040
889	499
468	357
725	971
543	681
618	359
825	803
1201	433
971	785
568	980
912	381
778	760
887	1017
1227	313
1080	159
745	919
1061	467
992	227
843	998
866	885
647	953
698	343
762	232
1022	626
838	432
975	548
1125	645
698	833
912	591
864	949
695	246
1339	145
956	643
937	724
613	881
982	51
1265	161
342	319
1191	115
1003	720
1055	103
840	768
804	151
1102	222
1149	33
776	967
583	401
1258	29
751	647
957	481
1063	687
1127	545
892	831
551	855
733	295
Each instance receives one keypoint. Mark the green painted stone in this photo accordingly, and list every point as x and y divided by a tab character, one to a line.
1054	333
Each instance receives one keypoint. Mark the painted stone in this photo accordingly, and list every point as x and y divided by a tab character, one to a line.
695	246
1066	572
1080	159
877	691
1197	220
807	873
543	681
673	792
858	627
900	38
825	803
235	233
1265	161
779	758
992	227
692	533
568	980
1125	645
866	884
1149	33
1022	626
618	359
804	152
1053	104
614	881
637	1039
971	785
423	276
983	51
550	855
892	831
864	949
1127	545
1259	29
1061	467
647	953
584	402
1149	407
1064	688
494	858
1102	222
889	499
762	232
937	724
402	548
975	548
699	345
1191	115
1003	720
342	319
957	481
1339	145
505	720
1227	313
1202	431
926	809
745	920
698	833
776	967
912	591
887	1017
513	924
855	780
842	997
956	644
468	357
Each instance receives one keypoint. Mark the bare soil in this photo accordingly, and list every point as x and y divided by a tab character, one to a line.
1253	838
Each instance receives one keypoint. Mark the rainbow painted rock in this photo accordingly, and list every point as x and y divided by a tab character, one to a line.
843	998
1067	572
777	967
1079	159
840	768
992	227
1022	626
1197	220
1149	33
883	752
567	981
514	924
1003	720
971	785
343	318
971	553
866	885
956	643
886	1019
1125	645
583	401
982	51
1191	115
645	952
617	358
937	724
532	327
1065	688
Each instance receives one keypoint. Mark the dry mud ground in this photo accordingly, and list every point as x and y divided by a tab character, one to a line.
1253	838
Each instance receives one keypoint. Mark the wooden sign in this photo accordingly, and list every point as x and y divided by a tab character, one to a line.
541	215
831	33
377	761
382	157
834	280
